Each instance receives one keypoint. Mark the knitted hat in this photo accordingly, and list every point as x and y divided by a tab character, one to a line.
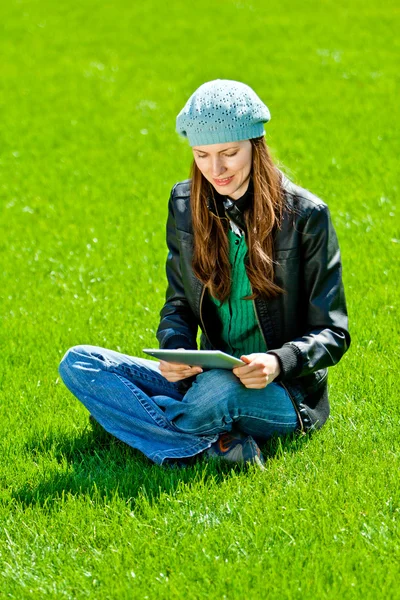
222	111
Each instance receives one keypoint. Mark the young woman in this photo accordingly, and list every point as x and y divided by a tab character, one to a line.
254	263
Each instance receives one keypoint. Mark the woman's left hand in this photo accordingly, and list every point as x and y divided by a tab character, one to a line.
260	370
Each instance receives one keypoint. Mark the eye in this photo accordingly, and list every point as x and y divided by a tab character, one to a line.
229	155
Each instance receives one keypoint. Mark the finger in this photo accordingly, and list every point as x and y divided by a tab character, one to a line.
254	365
254	379
168	366
174	378
189	369
254	386
173	375
250	369
180	376
247	358
187	372
193	369
179	367
255	375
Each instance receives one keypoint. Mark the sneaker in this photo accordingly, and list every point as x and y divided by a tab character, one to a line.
236	447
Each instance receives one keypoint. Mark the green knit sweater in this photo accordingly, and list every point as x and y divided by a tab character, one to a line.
240	330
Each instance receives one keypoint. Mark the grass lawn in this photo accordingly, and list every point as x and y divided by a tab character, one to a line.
89	93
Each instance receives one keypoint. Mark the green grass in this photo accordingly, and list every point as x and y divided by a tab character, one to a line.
88	155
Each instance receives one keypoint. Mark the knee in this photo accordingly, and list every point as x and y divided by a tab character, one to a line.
205	407
71	357
212	388
217	379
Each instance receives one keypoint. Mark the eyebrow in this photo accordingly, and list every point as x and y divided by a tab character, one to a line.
203	151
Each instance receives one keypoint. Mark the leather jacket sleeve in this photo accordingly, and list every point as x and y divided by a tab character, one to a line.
178	325
327	337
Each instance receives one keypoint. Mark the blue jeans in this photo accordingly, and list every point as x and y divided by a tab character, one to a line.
130	398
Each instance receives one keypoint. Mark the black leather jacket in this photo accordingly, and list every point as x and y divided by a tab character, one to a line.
305	327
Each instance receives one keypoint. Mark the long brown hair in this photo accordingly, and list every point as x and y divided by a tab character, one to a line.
211	253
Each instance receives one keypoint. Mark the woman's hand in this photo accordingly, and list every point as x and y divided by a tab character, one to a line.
177	371
260	370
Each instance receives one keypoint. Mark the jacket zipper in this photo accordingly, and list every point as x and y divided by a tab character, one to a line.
201	318
282	384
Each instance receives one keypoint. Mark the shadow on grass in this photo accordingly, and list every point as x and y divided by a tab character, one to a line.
97	465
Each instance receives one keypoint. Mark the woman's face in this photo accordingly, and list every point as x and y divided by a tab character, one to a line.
226	166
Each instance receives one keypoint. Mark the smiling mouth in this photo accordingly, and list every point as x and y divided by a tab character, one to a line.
225	180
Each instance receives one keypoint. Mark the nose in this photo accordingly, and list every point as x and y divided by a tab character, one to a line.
217	167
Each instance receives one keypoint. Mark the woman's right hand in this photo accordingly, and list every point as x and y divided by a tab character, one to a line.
177	371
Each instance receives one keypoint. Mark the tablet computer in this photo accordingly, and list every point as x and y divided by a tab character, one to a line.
208	359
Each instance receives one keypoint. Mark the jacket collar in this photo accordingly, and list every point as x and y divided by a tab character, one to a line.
223	206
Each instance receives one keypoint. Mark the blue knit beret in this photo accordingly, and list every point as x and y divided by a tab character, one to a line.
222	111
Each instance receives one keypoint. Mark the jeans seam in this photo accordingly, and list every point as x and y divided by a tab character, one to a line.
234	419
137	373
267	420
176	453
196	432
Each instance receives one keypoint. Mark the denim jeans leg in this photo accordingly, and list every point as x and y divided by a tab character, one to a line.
122	392
218	402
